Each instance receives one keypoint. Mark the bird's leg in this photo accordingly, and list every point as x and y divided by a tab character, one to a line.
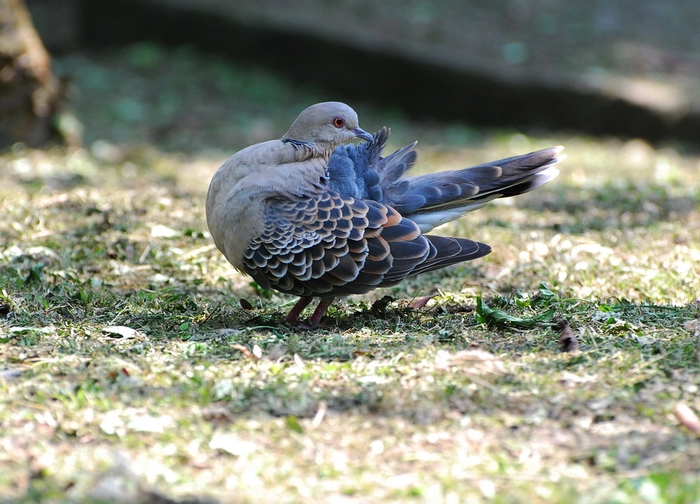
314	321
320	310
293	315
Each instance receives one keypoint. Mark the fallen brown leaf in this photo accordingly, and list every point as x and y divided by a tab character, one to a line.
567	339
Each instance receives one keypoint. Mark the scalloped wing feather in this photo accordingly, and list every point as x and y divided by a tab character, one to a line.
360	246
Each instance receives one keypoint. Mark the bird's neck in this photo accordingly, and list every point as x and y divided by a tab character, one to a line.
311	149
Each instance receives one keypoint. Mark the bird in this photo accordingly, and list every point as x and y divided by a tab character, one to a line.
313	215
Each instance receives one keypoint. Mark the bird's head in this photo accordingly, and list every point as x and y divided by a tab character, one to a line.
326	125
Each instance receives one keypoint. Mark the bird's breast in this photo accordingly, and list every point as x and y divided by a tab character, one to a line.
247	183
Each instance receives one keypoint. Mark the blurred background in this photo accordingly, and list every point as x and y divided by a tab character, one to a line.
186	74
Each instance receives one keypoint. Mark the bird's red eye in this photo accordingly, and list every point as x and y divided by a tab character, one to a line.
338	122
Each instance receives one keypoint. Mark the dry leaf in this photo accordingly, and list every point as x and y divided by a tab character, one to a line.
232	444
687	417
120	331
693	326
320	413
419	303
473	361
277	351
244	350
567	338
160	231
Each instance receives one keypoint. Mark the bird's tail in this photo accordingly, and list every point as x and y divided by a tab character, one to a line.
434	199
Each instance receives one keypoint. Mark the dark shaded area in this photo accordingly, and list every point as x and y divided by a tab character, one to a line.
29	93
424	89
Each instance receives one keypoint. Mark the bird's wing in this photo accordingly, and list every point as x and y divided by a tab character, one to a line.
330	245
433	199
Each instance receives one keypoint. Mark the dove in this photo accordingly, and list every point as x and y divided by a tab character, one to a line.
315	216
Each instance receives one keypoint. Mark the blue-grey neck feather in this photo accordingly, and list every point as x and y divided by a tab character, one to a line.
351	171
360	171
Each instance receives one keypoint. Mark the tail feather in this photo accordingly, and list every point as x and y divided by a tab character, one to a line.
451	250
436	198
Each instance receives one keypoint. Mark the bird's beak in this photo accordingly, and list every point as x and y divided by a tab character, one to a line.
360	133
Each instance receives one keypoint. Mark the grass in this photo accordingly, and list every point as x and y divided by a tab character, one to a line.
131	370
